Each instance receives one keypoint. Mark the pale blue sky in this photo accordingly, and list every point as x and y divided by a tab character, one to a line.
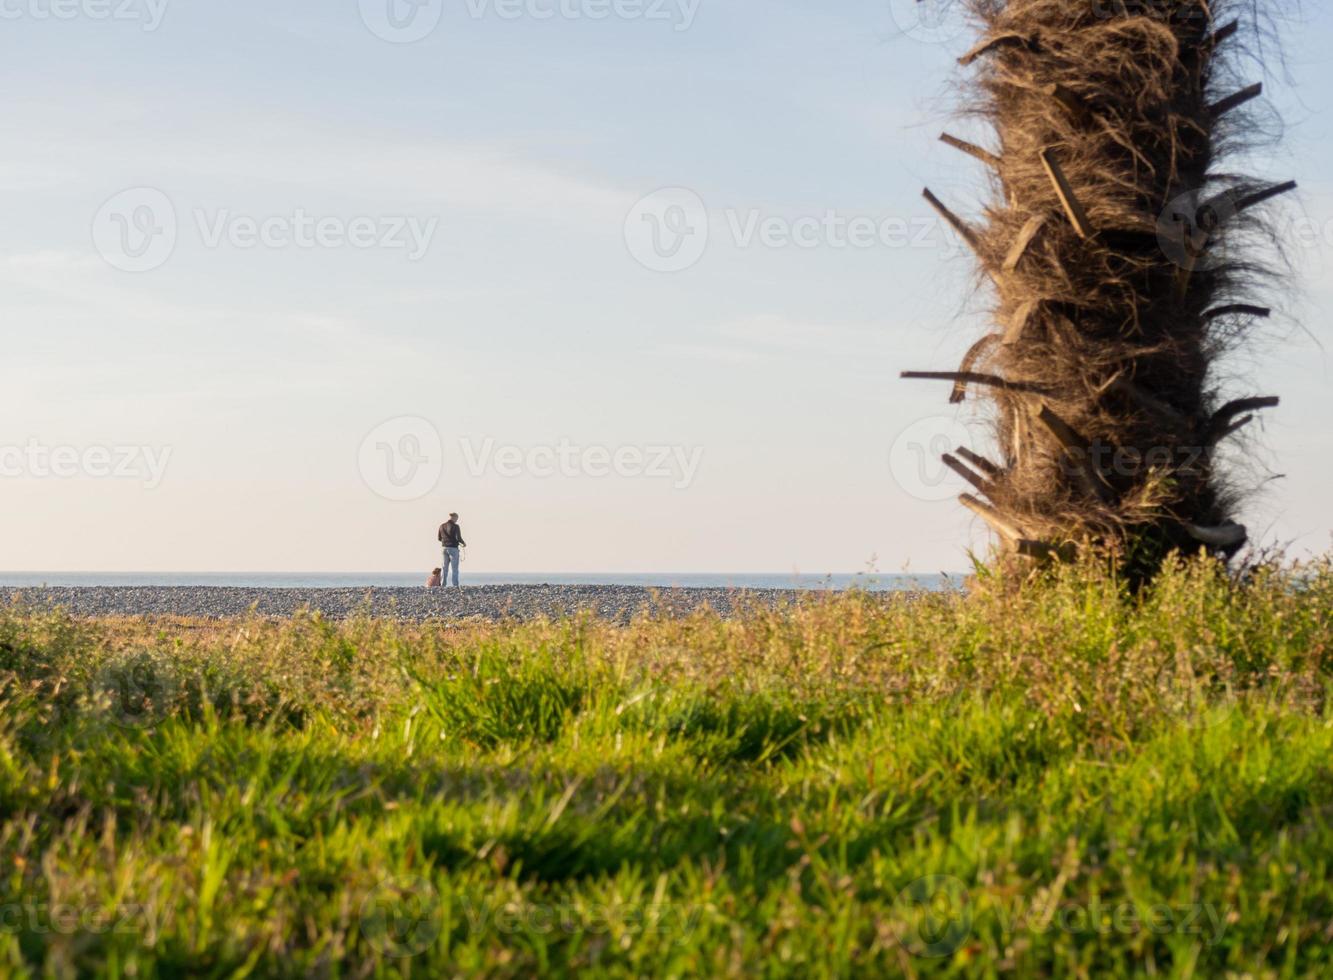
255	374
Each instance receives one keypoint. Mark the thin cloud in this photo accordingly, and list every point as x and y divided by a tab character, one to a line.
282	154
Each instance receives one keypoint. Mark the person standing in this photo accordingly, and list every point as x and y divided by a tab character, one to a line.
451	538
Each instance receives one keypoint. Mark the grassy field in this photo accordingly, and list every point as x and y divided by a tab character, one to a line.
1064	781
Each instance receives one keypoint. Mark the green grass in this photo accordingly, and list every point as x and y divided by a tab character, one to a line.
1063	780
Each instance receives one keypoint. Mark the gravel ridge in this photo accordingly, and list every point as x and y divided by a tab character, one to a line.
490	602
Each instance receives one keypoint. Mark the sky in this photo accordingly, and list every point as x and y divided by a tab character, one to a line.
627	283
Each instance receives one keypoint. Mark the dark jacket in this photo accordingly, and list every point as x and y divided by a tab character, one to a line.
451	535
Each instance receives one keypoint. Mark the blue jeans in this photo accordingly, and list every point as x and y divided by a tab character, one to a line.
450	559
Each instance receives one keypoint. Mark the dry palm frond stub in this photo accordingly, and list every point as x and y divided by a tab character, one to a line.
1114	244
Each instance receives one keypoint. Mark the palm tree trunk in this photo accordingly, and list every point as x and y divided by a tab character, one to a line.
1116	248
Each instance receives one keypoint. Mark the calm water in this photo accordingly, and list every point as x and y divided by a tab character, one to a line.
303	580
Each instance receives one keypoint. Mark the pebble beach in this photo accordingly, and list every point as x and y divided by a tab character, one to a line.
497	603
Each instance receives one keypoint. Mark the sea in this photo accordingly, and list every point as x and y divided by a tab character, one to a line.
868	581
